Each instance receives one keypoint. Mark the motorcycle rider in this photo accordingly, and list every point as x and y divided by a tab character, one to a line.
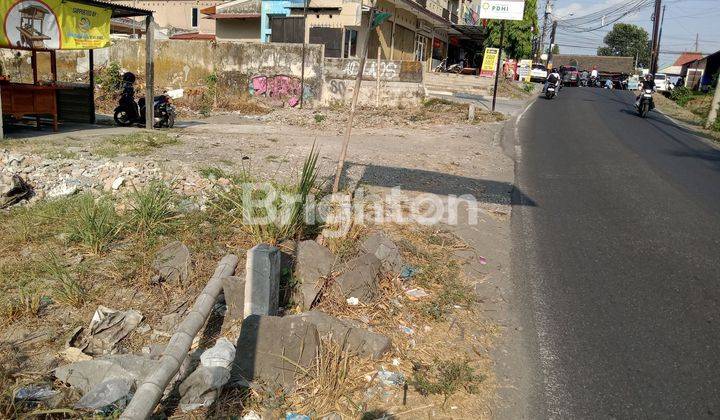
127	98
647	83
593	76
553	78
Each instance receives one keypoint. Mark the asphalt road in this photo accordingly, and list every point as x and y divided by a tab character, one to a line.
617	257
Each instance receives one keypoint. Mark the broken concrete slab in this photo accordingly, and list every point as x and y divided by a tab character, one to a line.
87	374
272	350
380	245
262	280
172	263
313	263
234	291
351	335
360	279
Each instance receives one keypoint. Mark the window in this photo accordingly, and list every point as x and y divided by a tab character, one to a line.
421	43
350	43
194	18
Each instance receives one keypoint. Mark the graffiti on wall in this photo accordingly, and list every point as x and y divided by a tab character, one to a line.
388	69
280	89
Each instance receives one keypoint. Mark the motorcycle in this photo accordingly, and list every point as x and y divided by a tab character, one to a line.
646	103
128	112
550	92
444	68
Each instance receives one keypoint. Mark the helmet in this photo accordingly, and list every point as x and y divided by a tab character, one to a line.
648	77
128	77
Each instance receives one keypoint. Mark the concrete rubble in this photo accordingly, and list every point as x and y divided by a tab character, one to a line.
91	375
313	263
234	292
107	327
262	280
349	334
271	348
380	245
172	264
360	278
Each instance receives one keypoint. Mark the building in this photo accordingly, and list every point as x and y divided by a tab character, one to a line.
421	30
676	69
178	16
699	73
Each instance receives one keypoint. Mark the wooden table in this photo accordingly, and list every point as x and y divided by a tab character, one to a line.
21	100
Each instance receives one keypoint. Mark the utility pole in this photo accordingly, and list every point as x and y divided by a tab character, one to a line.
304	48
713	114
541	45
552	41
697	39
657	55
656	29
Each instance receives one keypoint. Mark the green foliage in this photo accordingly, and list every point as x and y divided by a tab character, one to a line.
319	118
151	209
528	87
209	97
627	40
110	79
95	223
446	378
681	95
716	125
65	288
518	34
556	49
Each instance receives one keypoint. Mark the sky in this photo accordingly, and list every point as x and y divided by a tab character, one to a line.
683	20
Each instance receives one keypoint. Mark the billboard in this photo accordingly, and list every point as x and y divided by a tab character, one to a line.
489	62
502	9
53	25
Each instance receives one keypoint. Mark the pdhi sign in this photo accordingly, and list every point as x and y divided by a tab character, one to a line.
502	9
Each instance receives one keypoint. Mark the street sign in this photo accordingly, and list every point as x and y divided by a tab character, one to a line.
489	63
502	9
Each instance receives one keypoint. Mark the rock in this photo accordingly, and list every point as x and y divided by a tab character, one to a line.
262	280
234	291
271	348
351	335
360	278
380	245
119	181
314	262
86	375
172	263
64	189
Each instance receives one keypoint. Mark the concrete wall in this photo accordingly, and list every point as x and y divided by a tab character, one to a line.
177	13
238	29
401	82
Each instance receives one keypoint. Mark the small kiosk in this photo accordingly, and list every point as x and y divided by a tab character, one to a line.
43	27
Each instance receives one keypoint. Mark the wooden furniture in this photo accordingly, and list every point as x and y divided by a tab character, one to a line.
22	100
31	27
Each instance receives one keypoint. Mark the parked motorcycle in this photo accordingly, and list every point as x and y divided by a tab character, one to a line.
129	112
646	103
444	68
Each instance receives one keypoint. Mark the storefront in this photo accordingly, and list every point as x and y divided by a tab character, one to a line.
43	28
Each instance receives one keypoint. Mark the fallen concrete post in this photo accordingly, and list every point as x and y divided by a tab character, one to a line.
151	390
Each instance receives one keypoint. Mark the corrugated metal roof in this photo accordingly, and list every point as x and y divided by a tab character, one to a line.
118	10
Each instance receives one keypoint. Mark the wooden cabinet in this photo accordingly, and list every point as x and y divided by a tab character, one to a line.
25	100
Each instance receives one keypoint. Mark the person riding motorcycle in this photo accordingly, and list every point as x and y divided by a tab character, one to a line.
647	83
553	78
127	98
593	76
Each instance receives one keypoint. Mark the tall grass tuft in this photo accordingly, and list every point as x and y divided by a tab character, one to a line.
152	208
65	287
95	224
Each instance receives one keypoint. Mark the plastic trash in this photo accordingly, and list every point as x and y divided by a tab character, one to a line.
221	354
353	301
251	415
408	271
202	387
407	330
295	416
35	393
482	260
416	294
114	391
389	378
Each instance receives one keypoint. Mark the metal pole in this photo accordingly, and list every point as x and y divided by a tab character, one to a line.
149	73
497	64
552	41
91	78
356	92
541	43
302	69
377	88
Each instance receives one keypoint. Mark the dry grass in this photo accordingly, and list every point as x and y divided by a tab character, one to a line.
691	120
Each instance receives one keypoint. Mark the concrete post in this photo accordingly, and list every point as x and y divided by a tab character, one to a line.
262	280
149	72
713	114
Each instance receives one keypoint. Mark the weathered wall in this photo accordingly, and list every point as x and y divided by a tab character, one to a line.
400	82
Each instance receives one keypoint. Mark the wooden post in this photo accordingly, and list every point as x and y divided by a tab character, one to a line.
2	129
53	65
377	70
149	72
152	387
356	92
91	75
33	62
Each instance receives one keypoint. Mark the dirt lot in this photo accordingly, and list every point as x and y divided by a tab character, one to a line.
61	258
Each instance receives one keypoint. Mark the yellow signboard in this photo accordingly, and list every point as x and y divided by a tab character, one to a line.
489	62
53	25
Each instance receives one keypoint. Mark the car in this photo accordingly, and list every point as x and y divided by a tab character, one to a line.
662	83
538	73
570	75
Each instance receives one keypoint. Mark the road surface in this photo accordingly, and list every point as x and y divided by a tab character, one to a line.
617	257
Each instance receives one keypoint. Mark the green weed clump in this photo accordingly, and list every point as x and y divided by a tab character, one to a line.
152	209
65	288
681	95
95	224
446	378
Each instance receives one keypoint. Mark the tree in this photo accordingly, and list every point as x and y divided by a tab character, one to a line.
518	33
627	40
556	49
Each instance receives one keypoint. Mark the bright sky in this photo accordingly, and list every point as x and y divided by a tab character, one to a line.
683	20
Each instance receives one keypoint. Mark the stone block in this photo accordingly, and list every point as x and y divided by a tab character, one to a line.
271	348
380	245
172	263
313	263
360	279
262	280
234	291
